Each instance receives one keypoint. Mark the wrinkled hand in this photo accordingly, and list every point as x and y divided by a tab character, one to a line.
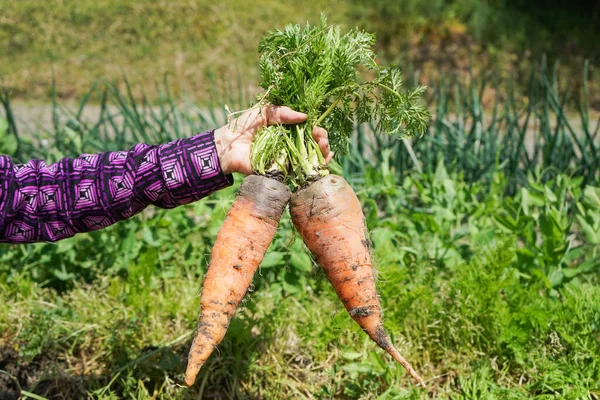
234	139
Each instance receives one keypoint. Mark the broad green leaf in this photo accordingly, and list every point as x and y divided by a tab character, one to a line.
301	261
586	267
531	199
273	259
64	246
549	194
591	197
63	275
506	221
591	235
556	277
441	174
9	145
485	236
149	236
293	283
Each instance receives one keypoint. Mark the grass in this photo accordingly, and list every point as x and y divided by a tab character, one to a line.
459	303
198	43
81	42
488	256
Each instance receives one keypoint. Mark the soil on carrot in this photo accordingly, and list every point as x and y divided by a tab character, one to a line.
42	376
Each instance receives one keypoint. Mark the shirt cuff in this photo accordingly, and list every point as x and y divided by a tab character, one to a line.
192	169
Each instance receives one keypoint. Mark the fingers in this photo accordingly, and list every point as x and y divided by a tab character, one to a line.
320	136
282	115
329	157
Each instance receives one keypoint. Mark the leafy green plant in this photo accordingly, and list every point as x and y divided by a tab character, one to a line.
315	70
488	267
8	142
542	217
589	214
455	296
511	133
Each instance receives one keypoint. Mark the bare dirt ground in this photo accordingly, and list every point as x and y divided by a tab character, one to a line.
40	375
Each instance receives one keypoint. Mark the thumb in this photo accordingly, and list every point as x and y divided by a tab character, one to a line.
283	115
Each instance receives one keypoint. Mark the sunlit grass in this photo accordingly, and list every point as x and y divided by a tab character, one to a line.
458	302
488	258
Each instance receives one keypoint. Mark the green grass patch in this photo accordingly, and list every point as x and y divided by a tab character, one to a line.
487	249
200	42
480	309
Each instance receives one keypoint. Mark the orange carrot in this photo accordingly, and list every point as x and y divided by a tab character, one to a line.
329	217
239	249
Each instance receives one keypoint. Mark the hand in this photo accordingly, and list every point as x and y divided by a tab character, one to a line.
234	139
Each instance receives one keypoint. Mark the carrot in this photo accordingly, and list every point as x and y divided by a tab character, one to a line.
239	249
328	216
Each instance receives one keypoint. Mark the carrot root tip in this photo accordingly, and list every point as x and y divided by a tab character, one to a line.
190	375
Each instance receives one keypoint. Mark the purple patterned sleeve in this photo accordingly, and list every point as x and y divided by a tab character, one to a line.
49	203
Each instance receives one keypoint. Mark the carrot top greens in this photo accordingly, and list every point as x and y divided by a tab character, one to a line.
335	79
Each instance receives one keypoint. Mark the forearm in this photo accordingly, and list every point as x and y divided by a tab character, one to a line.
49	203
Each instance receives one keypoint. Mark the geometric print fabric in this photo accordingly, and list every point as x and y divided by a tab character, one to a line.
49	203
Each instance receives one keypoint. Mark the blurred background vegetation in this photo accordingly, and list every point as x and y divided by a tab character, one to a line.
195	41
486	231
